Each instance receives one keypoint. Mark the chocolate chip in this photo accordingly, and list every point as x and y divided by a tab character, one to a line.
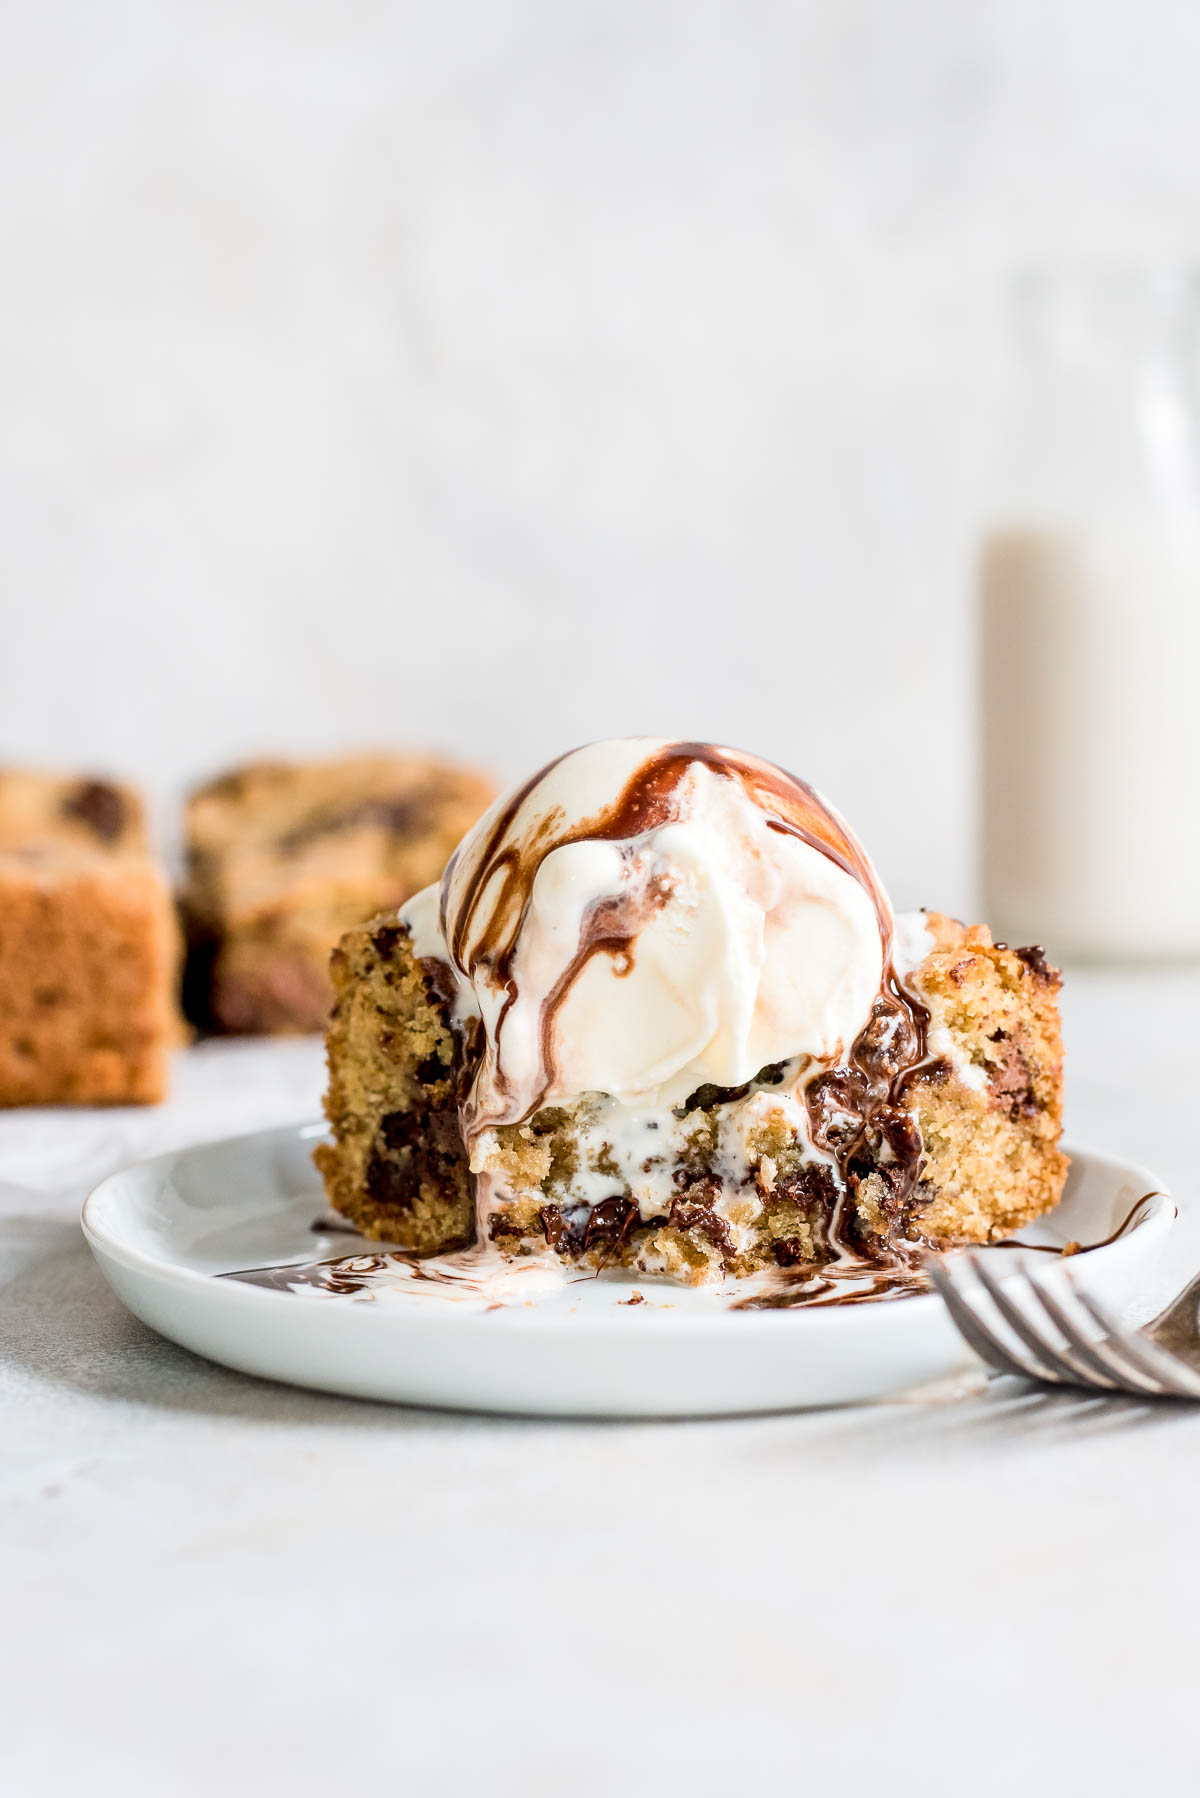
410	816
442	989
503	1225
811	1187
695	1214
390	1182
406	817
576	1232
99	806
1012	1083
610	1222
790	1251
706	1097
902	1134
836	1103
1034	957
412	1149
887	1042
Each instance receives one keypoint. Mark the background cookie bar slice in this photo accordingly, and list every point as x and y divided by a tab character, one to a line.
285	857
88	945
953	1139
88	961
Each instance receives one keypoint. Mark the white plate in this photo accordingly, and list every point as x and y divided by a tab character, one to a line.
164	1230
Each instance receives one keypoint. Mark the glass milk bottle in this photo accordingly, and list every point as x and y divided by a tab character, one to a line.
1089	639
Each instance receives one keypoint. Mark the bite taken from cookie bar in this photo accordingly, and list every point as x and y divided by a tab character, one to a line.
659	1013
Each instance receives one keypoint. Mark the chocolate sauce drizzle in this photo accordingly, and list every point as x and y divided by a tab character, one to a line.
1082	1248
861	1113
345	1275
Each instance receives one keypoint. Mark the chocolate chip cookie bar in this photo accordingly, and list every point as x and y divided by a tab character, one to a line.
88	946
283	857
659	1012
941	1127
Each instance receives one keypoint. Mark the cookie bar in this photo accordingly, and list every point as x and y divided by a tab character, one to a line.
283	857
940	1126
88	946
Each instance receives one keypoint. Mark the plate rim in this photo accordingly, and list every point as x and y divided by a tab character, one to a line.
1161	1213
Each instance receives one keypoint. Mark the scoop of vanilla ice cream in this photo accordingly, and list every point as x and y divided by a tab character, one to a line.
646	916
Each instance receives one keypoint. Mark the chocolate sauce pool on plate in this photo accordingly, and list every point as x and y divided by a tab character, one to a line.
846	1282
345	1275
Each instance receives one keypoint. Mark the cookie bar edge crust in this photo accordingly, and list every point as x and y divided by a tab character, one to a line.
88	957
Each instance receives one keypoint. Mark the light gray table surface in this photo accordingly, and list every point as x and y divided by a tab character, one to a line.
213	1584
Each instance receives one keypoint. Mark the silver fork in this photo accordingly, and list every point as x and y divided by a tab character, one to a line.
1065	1337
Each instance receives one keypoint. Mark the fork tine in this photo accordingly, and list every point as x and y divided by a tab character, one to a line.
1173	1376
1180	1320
986	1344
1064	1365
1099	1357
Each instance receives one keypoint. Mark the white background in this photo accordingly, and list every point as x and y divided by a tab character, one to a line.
500	376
